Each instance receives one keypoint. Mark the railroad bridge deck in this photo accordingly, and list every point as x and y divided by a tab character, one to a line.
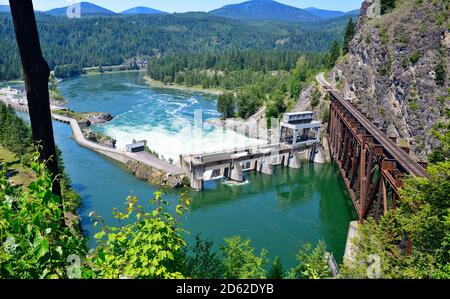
372	164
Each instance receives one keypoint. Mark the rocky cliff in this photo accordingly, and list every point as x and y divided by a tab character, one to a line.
157	177
397	70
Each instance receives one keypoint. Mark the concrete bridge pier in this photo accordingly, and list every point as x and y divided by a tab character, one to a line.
197	178
237	174
266	166
294	161
196	184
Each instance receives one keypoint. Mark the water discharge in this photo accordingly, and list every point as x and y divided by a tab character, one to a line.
172	122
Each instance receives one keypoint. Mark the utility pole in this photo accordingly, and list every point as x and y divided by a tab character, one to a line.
36	73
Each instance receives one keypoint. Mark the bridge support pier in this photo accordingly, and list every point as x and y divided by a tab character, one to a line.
237	174
196	184
197	178
267	167
294	161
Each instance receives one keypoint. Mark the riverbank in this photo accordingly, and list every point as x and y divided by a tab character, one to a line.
6	83
159	84
94	73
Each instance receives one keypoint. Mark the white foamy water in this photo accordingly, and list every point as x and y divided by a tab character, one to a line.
163	117
172	143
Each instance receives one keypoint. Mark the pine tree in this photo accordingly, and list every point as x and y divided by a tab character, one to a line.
350	31
441	73
276	272
333	54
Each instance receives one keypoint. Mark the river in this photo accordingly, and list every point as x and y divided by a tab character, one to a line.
280	212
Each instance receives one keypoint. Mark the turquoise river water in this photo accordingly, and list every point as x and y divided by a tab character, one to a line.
280	212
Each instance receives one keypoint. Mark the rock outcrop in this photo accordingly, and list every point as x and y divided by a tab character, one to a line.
96	118
157	177
394	70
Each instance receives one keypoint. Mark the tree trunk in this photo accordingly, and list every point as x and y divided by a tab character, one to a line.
36	73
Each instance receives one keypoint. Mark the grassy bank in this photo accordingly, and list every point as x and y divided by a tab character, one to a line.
93	73
17	174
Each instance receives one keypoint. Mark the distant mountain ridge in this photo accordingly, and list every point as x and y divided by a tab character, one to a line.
141	10
329	14
265	10
249	10
87	8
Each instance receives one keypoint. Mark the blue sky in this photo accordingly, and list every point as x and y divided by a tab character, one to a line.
192	5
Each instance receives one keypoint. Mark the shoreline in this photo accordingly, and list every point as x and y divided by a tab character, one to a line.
110	72
11	81
159	84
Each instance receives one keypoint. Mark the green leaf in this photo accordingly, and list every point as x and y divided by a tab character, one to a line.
40	245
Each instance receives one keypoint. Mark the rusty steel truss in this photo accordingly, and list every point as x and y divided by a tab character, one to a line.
371	164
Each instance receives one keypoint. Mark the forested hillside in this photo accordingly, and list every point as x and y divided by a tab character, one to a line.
250	79
89	41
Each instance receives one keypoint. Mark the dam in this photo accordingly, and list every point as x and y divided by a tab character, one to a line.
298	140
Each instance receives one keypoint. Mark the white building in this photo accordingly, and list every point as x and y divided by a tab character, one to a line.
300	129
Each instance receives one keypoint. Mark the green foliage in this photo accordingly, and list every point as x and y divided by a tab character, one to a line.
350	31
248	102
415	56
413	106
226	105
276	271
441	73
202	262
66	71
228	70
424	217
71	199
441	18
53	90
315	98
441	132
312	263
325	116
148	247
276	105
299	77
333	54
387	6
15	135
384	37
34	242
240	261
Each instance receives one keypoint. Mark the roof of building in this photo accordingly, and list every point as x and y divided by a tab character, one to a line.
299	113
136	144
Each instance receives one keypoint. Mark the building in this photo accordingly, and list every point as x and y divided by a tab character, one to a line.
136	147
300	129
